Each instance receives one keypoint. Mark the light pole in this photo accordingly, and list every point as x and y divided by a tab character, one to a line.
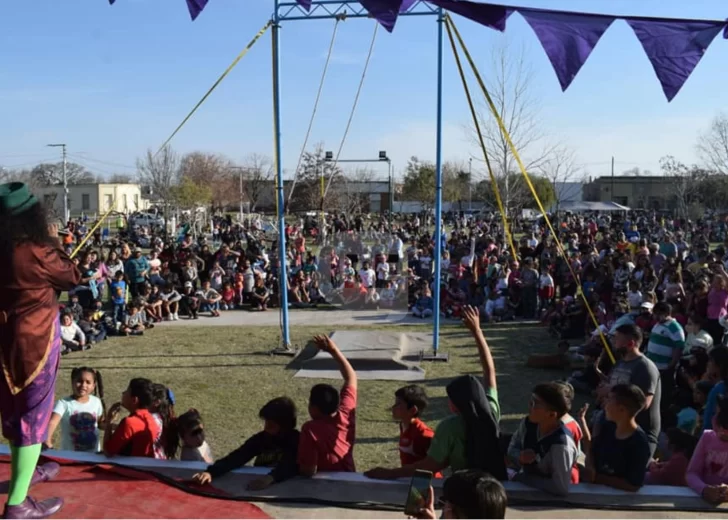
66	216
383	157
240	170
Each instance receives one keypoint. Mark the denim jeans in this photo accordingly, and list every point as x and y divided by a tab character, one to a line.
208	307
119	312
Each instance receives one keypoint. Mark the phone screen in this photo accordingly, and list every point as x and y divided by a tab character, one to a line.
418	490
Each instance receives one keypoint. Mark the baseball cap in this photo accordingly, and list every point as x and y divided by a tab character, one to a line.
188	284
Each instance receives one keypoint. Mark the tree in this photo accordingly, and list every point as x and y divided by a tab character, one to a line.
159	172
120	178
257	171
307	194
694	188
214	171
713	144
560	169
510	85
50	174
354	197
419	182
190	195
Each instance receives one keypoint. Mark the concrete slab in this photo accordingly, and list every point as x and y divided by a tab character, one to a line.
375	355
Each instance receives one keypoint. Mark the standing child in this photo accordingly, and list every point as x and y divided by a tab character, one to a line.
634	296
135	434
707	473
327	440
191	432
546	288
118	297
414	435
275	446
81	415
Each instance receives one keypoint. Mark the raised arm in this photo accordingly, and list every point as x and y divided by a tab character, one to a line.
471	319
325	344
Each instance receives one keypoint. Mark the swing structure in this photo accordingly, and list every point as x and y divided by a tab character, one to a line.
674	47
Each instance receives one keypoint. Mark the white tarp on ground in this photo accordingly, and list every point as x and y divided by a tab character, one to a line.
582	206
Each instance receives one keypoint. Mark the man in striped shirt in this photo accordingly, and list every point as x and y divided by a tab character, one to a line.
665	347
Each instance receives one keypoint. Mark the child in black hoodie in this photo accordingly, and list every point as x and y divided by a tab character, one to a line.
276	446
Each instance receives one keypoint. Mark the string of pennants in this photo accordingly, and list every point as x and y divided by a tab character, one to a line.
673	46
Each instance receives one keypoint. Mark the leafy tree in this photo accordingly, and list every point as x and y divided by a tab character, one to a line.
190	195
419	182
214	171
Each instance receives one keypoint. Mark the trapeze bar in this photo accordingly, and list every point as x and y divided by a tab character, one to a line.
342	9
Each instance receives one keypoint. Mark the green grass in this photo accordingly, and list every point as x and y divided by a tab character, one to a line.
226	373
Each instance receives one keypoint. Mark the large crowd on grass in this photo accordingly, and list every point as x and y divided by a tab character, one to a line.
638	303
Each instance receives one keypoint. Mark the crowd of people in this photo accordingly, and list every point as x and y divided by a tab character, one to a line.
638	303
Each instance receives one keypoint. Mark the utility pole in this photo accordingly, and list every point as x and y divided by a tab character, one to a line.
612	189
470	185
66	216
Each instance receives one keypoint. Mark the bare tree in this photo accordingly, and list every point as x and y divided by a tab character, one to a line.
257	177
159	172
49	174
684	182
510	82
355	191
561	170
713	144
213	171
120	178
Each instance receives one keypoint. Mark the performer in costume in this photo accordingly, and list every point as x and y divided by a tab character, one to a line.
33	267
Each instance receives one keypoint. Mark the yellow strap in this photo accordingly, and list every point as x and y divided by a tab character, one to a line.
93	229
493	181
522	167
219	80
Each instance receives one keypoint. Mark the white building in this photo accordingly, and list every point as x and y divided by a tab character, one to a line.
94	198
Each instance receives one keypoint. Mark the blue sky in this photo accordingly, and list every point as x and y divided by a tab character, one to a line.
113	81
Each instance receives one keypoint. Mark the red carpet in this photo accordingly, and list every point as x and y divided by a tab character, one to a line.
115	492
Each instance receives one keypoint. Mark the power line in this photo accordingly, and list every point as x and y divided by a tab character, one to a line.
84	157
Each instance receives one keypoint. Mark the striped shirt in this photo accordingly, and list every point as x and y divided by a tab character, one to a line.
666	337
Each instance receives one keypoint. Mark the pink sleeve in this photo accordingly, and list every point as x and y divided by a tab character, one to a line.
348	399
694	475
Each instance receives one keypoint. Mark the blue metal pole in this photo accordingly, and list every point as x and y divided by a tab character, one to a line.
283	268
438	190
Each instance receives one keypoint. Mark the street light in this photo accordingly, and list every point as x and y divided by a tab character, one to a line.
383	157
65	182
470	185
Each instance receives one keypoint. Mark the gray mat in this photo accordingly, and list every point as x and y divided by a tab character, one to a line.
375	355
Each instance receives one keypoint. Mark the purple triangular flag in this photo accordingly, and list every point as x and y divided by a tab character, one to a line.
306	4
196	7
384	11
674	48
493	16
111	2
567	38
406	4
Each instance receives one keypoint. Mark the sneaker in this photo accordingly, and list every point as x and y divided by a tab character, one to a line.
175	317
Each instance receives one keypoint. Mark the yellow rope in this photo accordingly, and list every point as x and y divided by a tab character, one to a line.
473	112
219	80
93	229
522	167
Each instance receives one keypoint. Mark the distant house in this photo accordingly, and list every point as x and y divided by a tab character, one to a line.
94	198
637	192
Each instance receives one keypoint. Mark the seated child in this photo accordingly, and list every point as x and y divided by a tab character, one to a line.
327	440
81	415
192	434
543	448
72	336
94	330
414	435
707	472
133	321
618	454
387	296
672	471
228	297
135	434
423	306
276	446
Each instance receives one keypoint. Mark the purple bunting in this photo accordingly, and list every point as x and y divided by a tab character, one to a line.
674	47
406	4
567	38
493	16
384	11
195	7
306	4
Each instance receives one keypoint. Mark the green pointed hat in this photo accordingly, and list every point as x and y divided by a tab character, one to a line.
15	198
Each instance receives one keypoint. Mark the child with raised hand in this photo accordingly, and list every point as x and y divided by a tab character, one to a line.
707	472
135	434
275	446
414	435
191	432
327	440
80	415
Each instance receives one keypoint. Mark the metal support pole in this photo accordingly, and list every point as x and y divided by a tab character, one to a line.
391	197
66	214
283	268
241	196
470	185
438	202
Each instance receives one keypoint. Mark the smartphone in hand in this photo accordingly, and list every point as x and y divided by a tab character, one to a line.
418	490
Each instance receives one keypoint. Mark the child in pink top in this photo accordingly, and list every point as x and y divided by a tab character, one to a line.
707	473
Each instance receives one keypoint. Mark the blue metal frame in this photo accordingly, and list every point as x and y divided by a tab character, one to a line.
342	9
